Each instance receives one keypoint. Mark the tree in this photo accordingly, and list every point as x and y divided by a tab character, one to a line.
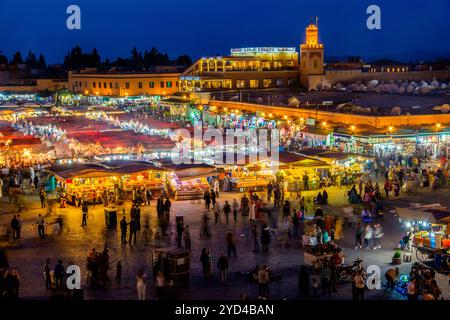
184	60
17	58
31	60
42	64
136	60
94	59
3	58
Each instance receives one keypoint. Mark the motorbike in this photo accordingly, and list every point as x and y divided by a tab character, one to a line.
346	272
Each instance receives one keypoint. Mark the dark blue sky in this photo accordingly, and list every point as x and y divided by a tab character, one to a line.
206	27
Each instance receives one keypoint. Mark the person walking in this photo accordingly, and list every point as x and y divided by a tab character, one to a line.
48	279
358	284
217	212
84	211
11	282
123	230
263	282
269	191
207	198
133	231
148	196
235	207
231	246
368	235
227	211
14	227
205	260
160	283
305	182
295	222
19	226
222	265
377	235
265	238
187	238
167	206
255	238
59	272
43	197
141	284
40	224
358	236
213	198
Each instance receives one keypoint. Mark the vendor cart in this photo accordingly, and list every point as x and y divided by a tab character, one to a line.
174	263
431	239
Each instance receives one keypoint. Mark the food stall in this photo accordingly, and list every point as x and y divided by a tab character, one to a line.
344	166
254	176
189	181
294	167
90	180
431	229
138	174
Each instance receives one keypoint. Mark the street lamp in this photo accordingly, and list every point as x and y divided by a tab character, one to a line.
390	129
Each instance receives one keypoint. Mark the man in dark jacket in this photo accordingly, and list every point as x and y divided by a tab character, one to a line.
133	230
222	265
227	210
59	273
123	230
15	227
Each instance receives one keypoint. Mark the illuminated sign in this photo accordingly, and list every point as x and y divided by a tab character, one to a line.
260	50
190	78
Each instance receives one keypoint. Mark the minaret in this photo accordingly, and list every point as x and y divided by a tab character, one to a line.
311	52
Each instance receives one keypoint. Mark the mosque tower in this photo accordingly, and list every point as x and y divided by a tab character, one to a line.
311	53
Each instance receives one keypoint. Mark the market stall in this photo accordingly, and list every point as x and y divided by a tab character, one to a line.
114	179
189	181
300	171
430	225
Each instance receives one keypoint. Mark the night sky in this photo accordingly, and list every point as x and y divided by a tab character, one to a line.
410	28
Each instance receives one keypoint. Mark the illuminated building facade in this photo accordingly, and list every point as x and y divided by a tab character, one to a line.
123	84
245	68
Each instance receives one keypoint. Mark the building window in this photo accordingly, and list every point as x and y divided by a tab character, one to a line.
140	85
277	65
93	84
127	85
85	84
254	83
176	84
151	84
99	85
161	84
117	85
267	83
110	85
315	64
104	85
169	84
240	83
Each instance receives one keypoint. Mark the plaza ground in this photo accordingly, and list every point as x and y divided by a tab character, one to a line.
285	254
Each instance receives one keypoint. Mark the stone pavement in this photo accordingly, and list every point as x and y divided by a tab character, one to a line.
285	255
